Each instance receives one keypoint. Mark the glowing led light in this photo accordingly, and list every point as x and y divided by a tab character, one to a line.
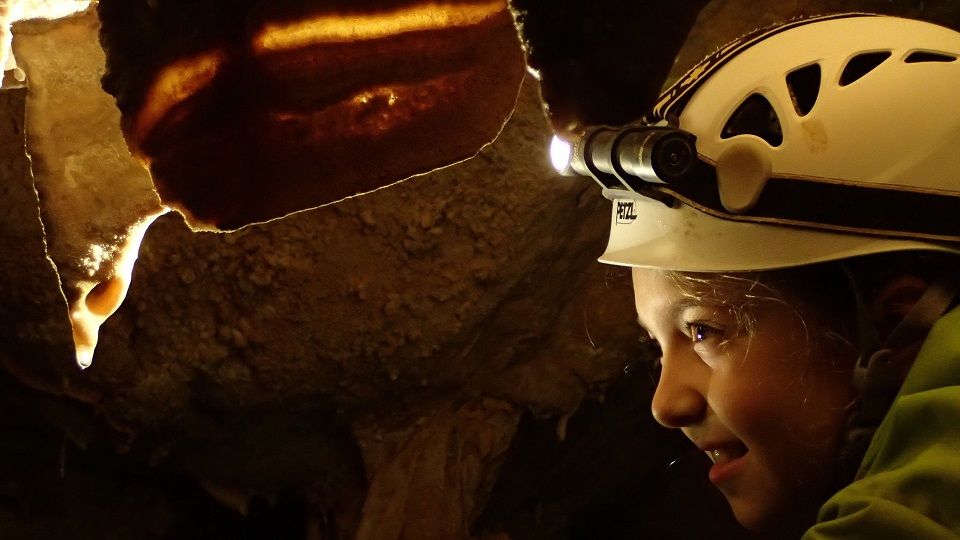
347	28
560	153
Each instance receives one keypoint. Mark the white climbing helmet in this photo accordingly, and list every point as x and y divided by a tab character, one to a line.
817	140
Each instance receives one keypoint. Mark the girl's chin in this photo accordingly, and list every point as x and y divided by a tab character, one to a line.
756	508
756	515
751	518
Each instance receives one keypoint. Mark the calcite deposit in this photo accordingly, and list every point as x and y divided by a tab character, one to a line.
95	199
12	11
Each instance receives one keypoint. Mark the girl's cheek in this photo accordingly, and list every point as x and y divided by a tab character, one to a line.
713	355
739	398
756	405
753	411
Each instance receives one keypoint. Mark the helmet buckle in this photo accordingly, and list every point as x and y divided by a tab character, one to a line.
742	172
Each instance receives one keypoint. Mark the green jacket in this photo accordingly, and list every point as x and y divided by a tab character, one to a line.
911	489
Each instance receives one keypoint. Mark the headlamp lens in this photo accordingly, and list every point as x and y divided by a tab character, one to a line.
560	154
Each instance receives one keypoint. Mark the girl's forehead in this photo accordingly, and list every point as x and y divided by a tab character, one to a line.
663	296
655	284
654	287
658	298
717	288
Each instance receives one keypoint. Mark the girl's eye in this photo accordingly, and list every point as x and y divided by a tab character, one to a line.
700	332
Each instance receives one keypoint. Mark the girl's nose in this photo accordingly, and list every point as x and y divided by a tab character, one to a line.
677	401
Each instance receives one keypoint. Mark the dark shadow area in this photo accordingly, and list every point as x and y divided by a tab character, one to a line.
615	475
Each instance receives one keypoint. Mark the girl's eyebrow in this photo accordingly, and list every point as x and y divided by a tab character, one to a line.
683	304
675	311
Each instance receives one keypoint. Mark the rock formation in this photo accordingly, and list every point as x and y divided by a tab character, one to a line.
441	358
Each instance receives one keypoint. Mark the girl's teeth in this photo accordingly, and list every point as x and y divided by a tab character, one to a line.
722	455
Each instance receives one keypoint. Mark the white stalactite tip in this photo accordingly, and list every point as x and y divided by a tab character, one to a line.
99	300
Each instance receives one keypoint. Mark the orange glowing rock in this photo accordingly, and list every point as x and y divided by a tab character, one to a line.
288	106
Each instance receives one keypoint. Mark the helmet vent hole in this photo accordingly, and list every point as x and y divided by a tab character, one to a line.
804	87
860	65
926	56
755	116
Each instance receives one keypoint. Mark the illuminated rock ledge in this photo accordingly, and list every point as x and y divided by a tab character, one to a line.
96	200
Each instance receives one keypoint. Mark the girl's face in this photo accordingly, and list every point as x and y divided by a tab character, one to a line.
768	407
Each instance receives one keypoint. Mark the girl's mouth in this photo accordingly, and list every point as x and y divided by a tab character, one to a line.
727	461
726	454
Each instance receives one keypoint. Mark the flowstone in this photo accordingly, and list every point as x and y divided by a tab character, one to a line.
96	201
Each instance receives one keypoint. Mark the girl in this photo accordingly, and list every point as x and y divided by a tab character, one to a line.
790	212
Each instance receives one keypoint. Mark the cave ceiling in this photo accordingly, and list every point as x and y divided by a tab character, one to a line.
358	276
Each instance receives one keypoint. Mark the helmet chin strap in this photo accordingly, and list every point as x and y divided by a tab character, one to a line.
880	369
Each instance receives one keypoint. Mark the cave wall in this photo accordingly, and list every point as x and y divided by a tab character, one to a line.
332	358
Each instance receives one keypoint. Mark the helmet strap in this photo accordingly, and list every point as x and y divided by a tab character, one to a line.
881	367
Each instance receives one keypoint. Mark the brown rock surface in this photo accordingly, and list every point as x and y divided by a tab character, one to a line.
34	324
378	310
305	356
314	355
